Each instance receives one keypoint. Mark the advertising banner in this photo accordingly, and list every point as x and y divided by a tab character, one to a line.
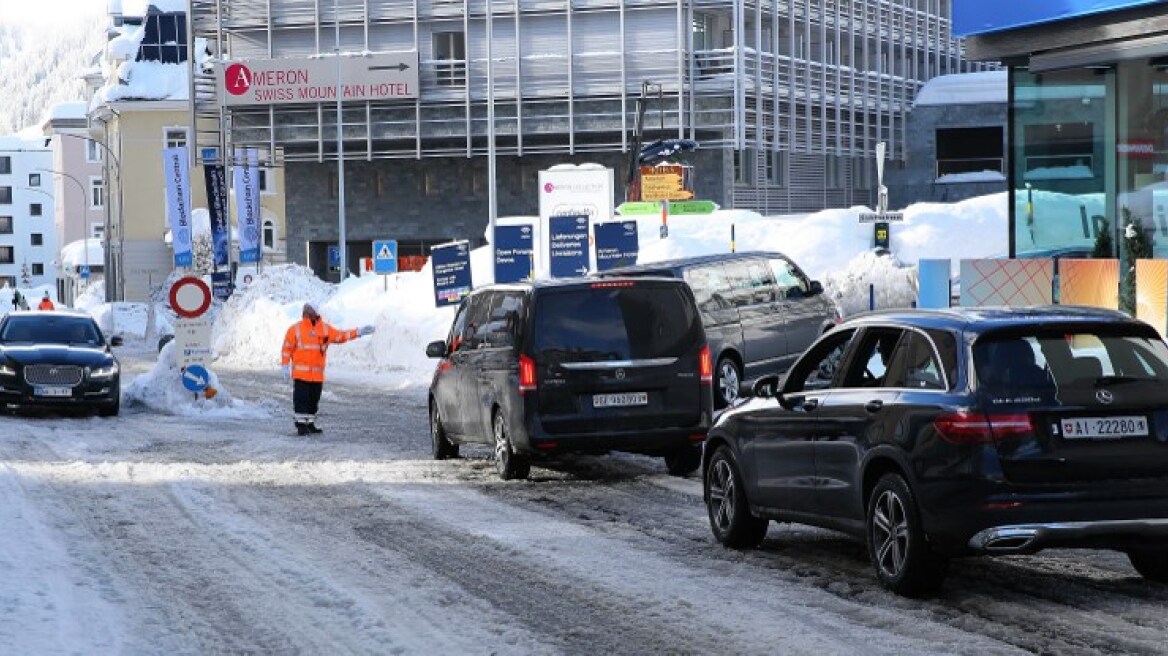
616	244
1093	282
451	269
568	246
1007	282
178	203
373	76
215	178
513	252
247	204
1152	293
221	287
933	279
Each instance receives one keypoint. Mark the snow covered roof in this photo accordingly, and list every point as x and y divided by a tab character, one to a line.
964	89
27	139
66	110
82	252
141	7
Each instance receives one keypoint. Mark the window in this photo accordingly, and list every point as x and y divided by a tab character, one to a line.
752	281
97	230
970	150
744	167
833	171
916	365
96	193
703	31
175	137
6	255
501	327
92	151
8	281
35	209
37	239
776	167
818	369
874	359
34	179
450	47
38	269
5	225
5	195
269	234
1059	150
790	282
264	181
164	38
711	287
5	164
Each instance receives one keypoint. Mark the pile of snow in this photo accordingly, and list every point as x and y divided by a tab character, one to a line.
161	390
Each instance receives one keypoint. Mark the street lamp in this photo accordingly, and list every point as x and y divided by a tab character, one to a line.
111	286
85	222
340	149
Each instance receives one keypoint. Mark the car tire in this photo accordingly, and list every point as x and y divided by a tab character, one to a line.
110	410
684	461
441	446
727	506
905	563
508	464
1152	564
727	382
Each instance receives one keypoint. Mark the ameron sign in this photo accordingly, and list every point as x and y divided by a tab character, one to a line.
1136	149
379	76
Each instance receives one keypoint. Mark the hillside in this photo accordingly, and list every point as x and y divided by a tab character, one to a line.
42	66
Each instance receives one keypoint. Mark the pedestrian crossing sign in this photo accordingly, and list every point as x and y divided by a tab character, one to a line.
385	256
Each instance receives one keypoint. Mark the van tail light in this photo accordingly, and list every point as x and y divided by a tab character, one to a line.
526	374
979	428
705	366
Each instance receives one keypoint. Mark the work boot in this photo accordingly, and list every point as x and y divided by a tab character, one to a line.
311	428
301	428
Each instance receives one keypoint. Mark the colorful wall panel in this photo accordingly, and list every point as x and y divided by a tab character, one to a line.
1152	293
1089	282
933	284
1006	282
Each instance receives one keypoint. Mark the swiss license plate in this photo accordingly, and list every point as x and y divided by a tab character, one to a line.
620	400
52	390
1104	427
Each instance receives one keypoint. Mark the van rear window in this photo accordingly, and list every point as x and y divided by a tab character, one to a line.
621	323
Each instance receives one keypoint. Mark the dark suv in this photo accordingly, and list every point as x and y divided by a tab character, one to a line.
759	309
574	366
957	432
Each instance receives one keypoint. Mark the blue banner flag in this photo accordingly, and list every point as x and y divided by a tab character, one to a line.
568	246
215	178
450	264
616	244
178	203
513	252
247	204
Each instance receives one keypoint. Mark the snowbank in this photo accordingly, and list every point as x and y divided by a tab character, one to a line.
161	390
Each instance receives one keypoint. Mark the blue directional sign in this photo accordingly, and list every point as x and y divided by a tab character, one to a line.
385	256
568	246
334	258
221	285
616	244
84	272
513	253
195	377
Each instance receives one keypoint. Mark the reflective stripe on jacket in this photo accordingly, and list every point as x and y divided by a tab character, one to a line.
305	345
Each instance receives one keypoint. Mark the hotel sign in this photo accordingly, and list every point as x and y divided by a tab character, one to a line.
377	76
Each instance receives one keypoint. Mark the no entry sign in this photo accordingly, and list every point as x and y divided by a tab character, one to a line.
190	297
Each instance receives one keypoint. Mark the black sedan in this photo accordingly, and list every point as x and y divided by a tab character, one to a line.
58	360
935	434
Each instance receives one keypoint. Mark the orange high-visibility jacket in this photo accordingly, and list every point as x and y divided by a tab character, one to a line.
45	304
305	345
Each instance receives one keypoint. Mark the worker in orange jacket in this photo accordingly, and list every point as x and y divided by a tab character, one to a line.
303	359
46	303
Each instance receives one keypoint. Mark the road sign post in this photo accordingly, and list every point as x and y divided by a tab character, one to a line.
385	259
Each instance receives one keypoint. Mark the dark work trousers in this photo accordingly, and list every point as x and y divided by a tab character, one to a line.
305	399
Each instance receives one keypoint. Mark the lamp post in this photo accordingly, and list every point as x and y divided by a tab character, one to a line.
492	195
340	149
108	268
85	222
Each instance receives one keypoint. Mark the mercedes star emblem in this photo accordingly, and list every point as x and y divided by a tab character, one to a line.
1104	396
620	374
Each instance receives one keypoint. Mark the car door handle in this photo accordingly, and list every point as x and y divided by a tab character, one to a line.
810	404
874	406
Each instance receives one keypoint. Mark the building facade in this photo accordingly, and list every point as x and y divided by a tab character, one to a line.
1088	116
786	99
28	242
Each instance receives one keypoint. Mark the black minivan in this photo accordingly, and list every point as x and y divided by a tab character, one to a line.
576	365
759	309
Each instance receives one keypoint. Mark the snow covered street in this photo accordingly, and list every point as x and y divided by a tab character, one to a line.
155	533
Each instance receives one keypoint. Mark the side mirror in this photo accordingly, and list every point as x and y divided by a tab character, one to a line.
766	387
816	288
436	349
116	340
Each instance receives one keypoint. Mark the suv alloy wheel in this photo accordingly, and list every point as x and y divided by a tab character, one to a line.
727	383
509	464
730	518
904	561
441	446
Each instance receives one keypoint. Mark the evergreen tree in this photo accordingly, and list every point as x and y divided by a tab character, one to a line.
25	274
1103	248
1135	247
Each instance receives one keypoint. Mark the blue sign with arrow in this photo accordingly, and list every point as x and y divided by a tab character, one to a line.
195	377
568	246
616	244
385	256
84	272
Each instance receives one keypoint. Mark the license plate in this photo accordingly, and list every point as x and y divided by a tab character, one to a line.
52	390
620	400
1104	427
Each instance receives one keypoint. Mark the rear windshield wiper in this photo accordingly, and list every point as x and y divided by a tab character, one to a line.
1108	381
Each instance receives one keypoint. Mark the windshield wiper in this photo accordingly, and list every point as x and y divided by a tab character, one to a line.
1108	381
